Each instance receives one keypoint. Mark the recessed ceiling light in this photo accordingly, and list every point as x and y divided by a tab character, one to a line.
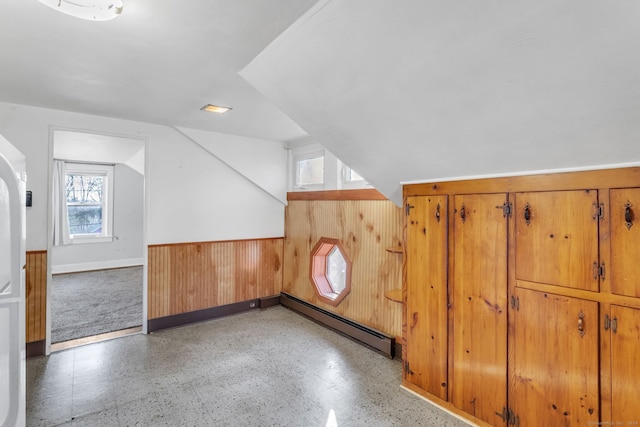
215	109
92	10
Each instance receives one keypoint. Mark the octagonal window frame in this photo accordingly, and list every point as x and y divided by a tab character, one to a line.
318	271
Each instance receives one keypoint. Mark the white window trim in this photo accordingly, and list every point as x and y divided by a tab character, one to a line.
307	156
349	184
107	211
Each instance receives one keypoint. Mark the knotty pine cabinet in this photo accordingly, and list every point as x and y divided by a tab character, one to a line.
522	297
479	306
426	269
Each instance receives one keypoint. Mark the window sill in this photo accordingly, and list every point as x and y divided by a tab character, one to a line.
81	240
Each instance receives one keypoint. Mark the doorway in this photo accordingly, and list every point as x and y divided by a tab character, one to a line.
98	240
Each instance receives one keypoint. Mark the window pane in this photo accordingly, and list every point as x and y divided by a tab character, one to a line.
84	188
85	203
85	219
336	270
310	171
353	176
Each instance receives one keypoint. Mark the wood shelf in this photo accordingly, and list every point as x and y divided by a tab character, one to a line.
394	295
394	249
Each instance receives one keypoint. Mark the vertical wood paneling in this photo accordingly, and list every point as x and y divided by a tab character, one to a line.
193	276
36	298
365	228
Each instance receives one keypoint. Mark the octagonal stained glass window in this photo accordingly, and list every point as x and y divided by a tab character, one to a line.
330	271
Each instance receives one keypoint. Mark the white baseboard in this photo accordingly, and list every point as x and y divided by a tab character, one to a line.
97	265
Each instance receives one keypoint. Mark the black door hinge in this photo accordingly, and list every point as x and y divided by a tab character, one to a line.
406	368
507	209
598	211
515	302
407	208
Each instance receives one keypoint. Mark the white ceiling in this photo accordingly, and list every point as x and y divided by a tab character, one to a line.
159	62
406	90
418	90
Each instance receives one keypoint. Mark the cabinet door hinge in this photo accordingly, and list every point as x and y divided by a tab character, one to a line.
504	414
509	416
598	211
507	208
407	208
598	270
406	368
515	302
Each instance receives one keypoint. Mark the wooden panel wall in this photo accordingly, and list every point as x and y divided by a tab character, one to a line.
36	300
366	229
193	276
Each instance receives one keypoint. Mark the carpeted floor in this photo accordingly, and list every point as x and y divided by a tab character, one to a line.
95	302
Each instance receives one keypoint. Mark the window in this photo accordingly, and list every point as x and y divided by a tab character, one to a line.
351	175
330	271
309	171
350	178
89	200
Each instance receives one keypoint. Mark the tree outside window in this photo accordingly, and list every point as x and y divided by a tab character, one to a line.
85	203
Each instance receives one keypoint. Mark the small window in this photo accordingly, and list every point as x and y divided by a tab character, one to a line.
351	175
336	270
309	171
89	201
351	179
330	271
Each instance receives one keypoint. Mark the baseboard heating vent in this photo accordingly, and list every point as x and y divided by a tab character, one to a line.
365	335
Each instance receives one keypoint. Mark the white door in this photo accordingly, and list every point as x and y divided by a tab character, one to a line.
12	298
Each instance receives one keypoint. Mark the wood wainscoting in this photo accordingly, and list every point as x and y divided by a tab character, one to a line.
188	277
36	302
368	226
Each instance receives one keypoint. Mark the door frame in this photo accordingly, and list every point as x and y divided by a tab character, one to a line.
145	141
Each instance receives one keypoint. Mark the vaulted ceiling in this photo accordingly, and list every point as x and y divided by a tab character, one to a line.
402	91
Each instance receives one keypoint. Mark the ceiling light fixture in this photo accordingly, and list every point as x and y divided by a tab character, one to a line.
92	10
215	109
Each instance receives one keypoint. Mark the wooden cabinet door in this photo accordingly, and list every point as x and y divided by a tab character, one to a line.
479	378
557	238
555	362
624	215
625	368
426	275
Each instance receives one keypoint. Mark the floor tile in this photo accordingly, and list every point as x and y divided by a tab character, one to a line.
261	368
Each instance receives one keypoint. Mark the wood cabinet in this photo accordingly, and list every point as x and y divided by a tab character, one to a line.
625	241
426	270
555	361
622	328
557	238
479	306
542	306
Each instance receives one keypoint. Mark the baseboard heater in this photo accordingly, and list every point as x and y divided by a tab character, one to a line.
365	335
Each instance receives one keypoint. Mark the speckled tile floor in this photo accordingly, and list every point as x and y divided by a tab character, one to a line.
261	368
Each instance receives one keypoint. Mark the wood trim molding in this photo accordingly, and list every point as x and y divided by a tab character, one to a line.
602	178
172	321
156	245
35	349
36	295
358	194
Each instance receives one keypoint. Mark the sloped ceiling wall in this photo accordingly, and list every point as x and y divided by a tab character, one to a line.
419	90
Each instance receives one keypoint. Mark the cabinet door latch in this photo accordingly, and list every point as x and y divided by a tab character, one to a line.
515	302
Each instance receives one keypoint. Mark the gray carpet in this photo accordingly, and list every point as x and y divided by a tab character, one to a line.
95	302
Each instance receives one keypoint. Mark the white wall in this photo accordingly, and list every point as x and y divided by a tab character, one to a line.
261	161
191	196
126	248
